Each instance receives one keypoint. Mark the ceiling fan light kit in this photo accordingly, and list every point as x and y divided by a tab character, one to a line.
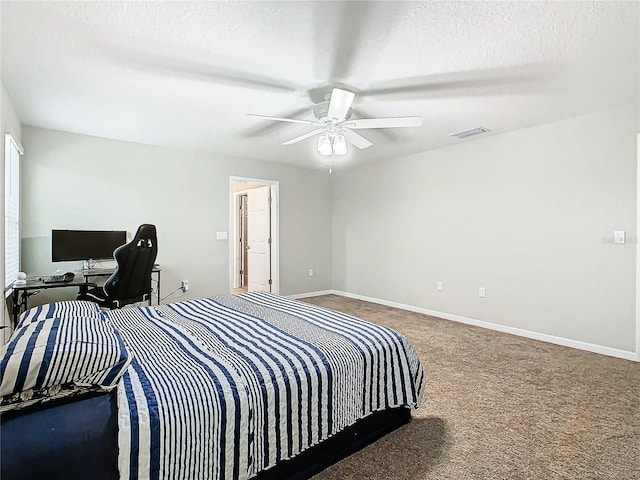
339	144
332	144
335	126
324	145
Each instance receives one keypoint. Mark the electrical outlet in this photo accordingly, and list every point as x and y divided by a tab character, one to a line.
184	285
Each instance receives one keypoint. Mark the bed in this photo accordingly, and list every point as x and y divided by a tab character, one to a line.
231	387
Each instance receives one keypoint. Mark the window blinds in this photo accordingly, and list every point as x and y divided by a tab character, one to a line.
12	152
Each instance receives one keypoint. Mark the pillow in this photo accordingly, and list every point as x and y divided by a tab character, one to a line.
70	308
59	358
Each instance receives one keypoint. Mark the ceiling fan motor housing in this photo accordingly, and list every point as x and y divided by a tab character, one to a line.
322	109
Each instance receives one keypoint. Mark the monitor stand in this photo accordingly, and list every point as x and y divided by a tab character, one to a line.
88	264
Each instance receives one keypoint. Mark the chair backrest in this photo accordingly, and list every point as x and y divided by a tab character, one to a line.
131	281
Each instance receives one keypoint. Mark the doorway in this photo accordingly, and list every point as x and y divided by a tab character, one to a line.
253	246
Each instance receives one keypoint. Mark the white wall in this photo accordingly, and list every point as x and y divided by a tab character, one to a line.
9	124
81	182
529	215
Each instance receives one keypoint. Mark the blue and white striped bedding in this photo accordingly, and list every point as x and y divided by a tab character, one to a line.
51	358
63	309
223	388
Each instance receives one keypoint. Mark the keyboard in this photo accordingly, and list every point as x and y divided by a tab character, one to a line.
67	277
53	279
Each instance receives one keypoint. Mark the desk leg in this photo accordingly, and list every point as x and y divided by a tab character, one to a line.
25	297
158	288
19	298
15	296
83	290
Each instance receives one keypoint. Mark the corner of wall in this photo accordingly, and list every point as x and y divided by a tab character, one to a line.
637	357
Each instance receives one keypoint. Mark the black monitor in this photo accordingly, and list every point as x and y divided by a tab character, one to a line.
71	245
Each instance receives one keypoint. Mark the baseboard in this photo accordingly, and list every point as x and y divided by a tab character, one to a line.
312	294
566	342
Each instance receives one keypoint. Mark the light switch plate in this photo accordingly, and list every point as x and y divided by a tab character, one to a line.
222	236
619	236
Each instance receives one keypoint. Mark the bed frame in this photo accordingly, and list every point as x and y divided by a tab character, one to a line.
77	439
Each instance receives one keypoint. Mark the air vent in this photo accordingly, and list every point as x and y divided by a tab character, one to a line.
470	132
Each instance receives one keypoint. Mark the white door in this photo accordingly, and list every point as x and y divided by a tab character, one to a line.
259	239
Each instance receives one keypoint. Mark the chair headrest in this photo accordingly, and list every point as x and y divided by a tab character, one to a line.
145	236
146	231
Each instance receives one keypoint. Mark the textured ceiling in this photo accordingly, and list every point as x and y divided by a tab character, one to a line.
185	74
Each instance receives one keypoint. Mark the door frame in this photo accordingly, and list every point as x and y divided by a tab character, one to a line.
241	279
275	229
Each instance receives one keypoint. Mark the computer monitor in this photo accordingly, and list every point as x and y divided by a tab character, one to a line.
71	245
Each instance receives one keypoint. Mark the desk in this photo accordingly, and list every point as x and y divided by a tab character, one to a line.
22	292
106	272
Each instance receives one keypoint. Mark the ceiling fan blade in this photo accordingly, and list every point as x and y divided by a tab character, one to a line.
390	122
341	30
387	133
280	119
262	128
356	139
515	79
184	68
306	135
340	103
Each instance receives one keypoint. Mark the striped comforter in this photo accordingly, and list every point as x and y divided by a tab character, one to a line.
225	387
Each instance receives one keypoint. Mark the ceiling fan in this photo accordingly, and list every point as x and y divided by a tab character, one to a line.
335	126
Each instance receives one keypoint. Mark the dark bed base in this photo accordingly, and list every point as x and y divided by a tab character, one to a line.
77	440
62	440
341	445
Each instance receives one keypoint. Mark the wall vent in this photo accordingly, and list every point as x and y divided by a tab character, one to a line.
470	132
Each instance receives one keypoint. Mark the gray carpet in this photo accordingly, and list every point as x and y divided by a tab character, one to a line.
499	406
